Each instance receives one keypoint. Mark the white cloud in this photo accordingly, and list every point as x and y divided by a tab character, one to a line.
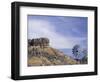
42	28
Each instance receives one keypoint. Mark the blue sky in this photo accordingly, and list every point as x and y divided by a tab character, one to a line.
63	31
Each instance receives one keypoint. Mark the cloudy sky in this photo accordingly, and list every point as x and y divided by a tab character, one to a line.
62	31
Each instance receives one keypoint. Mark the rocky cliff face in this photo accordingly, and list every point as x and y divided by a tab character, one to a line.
40	42
41	54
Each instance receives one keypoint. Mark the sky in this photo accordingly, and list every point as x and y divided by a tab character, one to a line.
63	31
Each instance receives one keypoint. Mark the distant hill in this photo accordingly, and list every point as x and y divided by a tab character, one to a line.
41	54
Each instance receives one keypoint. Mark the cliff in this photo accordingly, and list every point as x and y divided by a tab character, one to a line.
41	54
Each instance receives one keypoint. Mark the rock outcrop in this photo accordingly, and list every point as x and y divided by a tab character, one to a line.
40	42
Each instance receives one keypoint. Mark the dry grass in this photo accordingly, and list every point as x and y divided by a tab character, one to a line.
58	58
34	61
